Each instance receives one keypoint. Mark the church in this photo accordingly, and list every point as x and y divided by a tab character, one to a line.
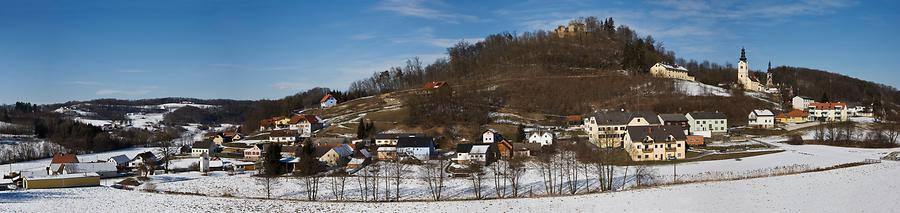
744	79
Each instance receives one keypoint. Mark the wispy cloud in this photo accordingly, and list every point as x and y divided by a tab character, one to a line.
425	35
291	85
119	92
417	8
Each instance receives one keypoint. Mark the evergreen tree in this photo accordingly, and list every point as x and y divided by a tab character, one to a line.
271	160
520	132
362	129
824	98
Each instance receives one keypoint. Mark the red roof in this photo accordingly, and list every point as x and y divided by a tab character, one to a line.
828	106
434	85
299	118
64	158
325	98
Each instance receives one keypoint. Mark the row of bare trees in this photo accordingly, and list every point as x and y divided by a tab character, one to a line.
879	135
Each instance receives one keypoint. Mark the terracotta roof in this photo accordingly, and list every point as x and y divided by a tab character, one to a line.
64	158
827	106
434	85
299	118
573	118
793	114
325	98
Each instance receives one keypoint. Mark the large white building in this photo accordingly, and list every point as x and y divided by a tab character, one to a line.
801	102
545	138
744	79
828	112
670	71
654	143
608	128
707	123
761	119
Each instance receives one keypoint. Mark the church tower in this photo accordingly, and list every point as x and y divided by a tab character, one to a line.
743	71
770	83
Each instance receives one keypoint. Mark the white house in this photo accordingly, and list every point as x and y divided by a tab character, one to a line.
284	136
327	101
483	153
801	102
545	138
491	136
761	119
707	123
305	124
828	112
337	156
420	148
200	147
141	159
390	139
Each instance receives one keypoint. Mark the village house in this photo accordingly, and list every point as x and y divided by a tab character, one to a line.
526	149
327	101
284	136
801	102
104	169
387	153
484	154
707	123
200	147
336	156
305	124
59	158
226	137
289	151
419	148
792	117
253	153
390	139
121	162
608	128
662	70
503	146
544	138
674	120
655	143
828	112
764	119
694	140
361	158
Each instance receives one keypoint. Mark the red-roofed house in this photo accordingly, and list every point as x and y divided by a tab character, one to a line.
64	158
305	124
328	101
831	111
794	116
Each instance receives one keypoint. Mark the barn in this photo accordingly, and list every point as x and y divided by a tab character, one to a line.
62	181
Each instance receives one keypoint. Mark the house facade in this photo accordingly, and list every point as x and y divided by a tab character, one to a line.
252	153
655	143
792	117
284	136
327	101
608	128
828	112
390	139
419	148
337	156
662	70
707	123
761	119
801	102
545	138
482	153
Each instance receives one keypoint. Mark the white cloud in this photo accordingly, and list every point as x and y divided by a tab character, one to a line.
417	8
291	85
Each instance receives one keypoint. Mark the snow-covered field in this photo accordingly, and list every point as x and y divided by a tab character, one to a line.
868	188
694	88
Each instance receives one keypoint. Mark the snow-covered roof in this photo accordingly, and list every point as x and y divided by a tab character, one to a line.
479	149
764	112
66	176
674	67
120	159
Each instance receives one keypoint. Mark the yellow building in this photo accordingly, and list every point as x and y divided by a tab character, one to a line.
571	29
794	116
62	181
668	71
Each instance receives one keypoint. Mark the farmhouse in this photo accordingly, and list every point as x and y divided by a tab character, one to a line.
305	124
801	102
419	148
707	123
200	147
284	136
662	70
327	101
674	120
104	169
390	139
253	153
654	143
608	128
483	153
337	156
761	119
64	158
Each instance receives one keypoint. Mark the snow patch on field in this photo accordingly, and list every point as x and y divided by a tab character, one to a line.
694	88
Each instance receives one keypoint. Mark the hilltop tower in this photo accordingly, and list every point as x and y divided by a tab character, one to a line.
770	83
744	79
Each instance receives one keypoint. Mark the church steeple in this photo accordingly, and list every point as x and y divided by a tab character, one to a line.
743	55
770	67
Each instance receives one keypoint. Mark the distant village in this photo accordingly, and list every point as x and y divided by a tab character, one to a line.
644	136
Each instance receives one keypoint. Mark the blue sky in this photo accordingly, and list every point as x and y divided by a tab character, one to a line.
56	51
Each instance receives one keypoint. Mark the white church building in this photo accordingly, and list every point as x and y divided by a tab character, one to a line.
744	79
